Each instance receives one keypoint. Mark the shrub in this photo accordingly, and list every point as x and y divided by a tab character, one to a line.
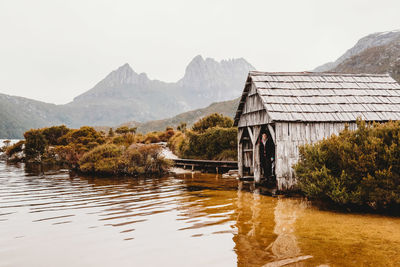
165	136
52	134
35	144
211	121
209	144
182	127
147	158
83	139
110	132
176	143
14	149
151	138
113	159
356	168
102	159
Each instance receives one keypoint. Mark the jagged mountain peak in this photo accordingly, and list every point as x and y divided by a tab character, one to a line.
123	75
201	68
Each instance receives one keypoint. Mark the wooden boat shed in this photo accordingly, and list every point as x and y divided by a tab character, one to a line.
305	107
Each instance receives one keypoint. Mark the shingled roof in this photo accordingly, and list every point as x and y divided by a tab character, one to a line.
325	97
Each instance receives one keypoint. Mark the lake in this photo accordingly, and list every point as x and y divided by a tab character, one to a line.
56	218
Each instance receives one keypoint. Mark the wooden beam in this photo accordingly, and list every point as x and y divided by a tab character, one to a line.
256	154
240	152
251	135
272	132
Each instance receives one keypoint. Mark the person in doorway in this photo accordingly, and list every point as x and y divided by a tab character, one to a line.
266	156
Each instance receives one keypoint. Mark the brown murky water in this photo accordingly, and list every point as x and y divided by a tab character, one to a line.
55	219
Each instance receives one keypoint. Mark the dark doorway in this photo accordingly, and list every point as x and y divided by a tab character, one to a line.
267	155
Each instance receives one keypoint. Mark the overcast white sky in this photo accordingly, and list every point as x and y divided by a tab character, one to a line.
53	50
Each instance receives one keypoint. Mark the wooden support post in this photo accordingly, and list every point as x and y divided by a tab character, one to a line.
256	154
240	152
251	134
192	167
272	132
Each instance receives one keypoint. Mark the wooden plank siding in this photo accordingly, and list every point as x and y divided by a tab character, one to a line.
254	112
291	135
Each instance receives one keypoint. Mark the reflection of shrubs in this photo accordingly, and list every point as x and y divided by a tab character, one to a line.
360	167
113	159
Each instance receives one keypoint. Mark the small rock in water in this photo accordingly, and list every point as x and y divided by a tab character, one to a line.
231	174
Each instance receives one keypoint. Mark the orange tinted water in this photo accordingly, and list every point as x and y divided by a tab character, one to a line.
55	219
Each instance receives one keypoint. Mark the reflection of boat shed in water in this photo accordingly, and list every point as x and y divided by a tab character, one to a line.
298	108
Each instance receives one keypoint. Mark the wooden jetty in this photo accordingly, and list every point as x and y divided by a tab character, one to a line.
217	166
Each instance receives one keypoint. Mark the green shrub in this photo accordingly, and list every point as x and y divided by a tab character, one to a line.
35	144
356	168
213	120
84	139
53	134
115	160
15	148
102	159
176	142
150	138
209	144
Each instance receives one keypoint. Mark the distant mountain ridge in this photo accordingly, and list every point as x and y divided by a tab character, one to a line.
226	108
371	40
378	59
124	95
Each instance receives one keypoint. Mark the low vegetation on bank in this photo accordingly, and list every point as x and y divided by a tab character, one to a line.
212	137
89	151
123	151
358	168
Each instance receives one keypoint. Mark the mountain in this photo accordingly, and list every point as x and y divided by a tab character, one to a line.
369	41
378	59
124	95
227	108
18	114
207	81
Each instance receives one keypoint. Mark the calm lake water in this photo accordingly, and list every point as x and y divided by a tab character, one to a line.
58	219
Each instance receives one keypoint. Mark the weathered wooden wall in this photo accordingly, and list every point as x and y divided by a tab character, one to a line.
289	136
253	110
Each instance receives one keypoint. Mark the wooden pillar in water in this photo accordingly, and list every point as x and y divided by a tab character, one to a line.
240	152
